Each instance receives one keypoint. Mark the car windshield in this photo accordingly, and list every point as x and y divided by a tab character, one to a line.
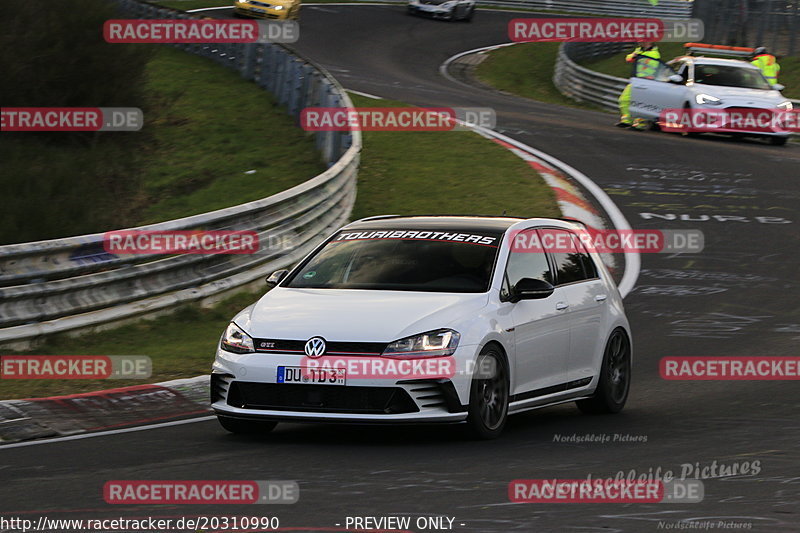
727	76
402	260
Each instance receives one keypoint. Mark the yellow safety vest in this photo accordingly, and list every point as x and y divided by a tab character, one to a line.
645	68
769	67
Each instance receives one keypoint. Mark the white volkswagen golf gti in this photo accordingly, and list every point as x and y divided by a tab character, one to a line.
444	319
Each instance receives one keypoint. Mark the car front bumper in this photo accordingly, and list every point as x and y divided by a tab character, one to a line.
430	11
261	13
245	386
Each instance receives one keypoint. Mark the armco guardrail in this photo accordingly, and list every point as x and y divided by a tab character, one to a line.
583	84
586	85
73	284
614	8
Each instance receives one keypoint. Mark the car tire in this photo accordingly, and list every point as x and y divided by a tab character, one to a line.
245	427
614	382
488	398
469	15
778	141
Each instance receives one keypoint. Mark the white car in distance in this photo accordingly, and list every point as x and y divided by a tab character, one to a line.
443	9
696	83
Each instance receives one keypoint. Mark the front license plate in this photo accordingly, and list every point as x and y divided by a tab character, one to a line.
311	376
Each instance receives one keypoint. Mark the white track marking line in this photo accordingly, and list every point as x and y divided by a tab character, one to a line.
105	433
365	95
309	4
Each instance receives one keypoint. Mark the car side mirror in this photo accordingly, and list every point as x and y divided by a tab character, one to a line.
779	87
276	277
675	78
531	289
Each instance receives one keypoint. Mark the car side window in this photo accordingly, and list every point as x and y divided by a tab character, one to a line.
589	268
682	70
527	259
572	264
663	72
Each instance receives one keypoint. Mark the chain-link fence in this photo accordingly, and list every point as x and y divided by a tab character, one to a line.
771	23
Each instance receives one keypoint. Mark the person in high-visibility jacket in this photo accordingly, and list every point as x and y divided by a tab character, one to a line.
767	63
646	56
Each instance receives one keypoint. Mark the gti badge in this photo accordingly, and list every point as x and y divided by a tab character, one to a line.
315	347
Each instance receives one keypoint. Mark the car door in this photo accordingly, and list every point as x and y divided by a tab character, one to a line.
651	95
541	329
586	296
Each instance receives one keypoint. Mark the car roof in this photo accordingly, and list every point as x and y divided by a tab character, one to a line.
440	222
702	60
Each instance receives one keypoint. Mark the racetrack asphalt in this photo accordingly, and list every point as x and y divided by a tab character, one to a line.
739	297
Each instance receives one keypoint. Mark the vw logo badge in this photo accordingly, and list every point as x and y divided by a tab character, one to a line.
315	347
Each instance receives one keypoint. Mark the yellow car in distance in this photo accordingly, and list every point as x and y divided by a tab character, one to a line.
267	9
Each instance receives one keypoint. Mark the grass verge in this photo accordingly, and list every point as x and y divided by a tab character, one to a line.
401	172
196	110
203	111
526	70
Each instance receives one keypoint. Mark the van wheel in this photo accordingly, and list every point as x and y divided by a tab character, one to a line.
488	398
615	377
778	141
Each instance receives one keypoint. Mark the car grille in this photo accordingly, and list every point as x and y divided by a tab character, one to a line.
332	348
260	4
320	398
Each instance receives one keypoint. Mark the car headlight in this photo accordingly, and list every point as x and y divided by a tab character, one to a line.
235	340
244	1
277	8
707	99
438	343
786	106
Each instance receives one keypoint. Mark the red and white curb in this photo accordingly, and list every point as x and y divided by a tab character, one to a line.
103	410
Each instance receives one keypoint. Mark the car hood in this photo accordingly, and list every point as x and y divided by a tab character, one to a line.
355	315
739	93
